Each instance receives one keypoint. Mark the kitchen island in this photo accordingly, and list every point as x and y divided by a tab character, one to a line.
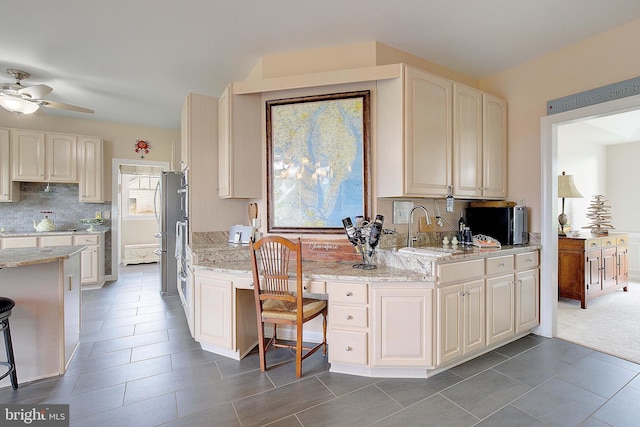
45	322
415	315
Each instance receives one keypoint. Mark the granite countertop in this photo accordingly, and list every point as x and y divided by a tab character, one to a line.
321	270
21	257
50	233
391	264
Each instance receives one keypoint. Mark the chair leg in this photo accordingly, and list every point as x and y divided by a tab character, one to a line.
324	333
299	351
261	350
10	358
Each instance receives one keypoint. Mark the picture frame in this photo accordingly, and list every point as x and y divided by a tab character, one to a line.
317	161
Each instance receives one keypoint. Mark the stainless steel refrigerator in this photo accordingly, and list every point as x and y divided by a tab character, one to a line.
168	212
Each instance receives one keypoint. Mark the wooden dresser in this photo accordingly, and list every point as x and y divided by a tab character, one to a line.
589	265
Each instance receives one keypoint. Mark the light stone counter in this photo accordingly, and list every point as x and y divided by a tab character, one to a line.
30	256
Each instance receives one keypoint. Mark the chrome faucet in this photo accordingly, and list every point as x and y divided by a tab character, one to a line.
426	214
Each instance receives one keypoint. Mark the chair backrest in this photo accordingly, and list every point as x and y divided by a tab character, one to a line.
270	260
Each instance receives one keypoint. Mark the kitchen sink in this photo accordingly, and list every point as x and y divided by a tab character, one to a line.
435	252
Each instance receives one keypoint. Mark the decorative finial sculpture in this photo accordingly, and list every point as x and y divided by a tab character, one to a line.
599	215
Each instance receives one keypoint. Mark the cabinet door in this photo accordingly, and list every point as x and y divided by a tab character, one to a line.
184	136
467	141
28	156
428	134
592	273
622	253
9	191
402	327
213	314
89	267
62	158
500	308
71	300
91	170
494	147
450	322
474	319
224	144
527	300
609	267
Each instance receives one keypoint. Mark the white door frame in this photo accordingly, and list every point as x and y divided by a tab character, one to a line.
549	203
115	206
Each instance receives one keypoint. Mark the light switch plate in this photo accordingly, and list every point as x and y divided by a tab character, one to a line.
401	211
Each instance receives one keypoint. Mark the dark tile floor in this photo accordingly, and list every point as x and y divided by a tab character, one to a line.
138	366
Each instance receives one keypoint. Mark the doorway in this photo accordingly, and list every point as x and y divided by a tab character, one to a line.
549	202
120	168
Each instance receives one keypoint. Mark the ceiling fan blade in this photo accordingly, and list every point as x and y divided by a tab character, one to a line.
63	106
37	91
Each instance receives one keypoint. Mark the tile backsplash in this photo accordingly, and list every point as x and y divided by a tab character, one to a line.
62	200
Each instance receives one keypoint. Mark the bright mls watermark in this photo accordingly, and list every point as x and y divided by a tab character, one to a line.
34	415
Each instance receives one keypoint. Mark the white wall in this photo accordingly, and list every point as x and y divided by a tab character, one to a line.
623	185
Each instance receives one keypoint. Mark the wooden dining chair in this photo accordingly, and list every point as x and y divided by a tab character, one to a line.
275	303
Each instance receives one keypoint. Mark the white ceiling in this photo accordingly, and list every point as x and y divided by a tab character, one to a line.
133	61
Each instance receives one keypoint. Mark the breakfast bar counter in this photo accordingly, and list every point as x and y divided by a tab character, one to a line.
45	322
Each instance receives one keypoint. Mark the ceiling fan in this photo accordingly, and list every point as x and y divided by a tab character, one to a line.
28	99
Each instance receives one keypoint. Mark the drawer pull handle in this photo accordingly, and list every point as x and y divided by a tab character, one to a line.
349	317
348	349
349	294
501	264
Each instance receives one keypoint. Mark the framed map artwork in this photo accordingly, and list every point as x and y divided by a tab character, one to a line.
317	161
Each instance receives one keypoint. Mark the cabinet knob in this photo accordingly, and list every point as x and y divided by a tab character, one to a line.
304	287
349	317
349	294
348	349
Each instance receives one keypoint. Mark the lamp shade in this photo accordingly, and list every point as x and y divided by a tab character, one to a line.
18	105
567	188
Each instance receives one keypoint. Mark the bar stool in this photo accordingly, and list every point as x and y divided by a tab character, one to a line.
6	304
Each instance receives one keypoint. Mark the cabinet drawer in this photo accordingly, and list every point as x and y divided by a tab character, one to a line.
348	315
309	286
527	260
348	347
349	293
593	243
85	240
460	271
19	242
499	265
622	240
609	241
56	240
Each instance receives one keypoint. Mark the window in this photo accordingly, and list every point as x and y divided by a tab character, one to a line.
138	193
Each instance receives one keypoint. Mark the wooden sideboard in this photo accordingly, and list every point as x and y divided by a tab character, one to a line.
590	266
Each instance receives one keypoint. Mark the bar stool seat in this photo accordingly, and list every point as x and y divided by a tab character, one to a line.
6	305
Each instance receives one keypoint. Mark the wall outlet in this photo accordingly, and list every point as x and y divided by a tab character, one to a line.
401	211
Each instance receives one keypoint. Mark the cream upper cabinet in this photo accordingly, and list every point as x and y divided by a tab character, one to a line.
9	190
402	325
61	157
239	149
414	134
28	156
479	144
91	170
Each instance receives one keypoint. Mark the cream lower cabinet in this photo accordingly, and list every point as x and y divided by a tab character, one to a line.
527	296
213	321
460	319
224	313
91	258
402	325
348	323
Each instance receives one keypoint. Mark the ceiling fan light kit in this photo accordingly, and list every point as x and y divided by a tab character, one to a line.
21	99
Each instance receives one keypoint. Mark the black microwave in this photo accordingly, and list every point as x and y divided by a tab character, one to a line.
508	225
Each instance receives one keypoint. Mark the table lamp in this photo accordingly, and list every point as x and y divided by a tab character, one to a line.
566	189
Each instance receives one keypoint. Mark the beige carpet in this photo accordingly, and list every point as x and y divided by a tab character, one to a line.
610	324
